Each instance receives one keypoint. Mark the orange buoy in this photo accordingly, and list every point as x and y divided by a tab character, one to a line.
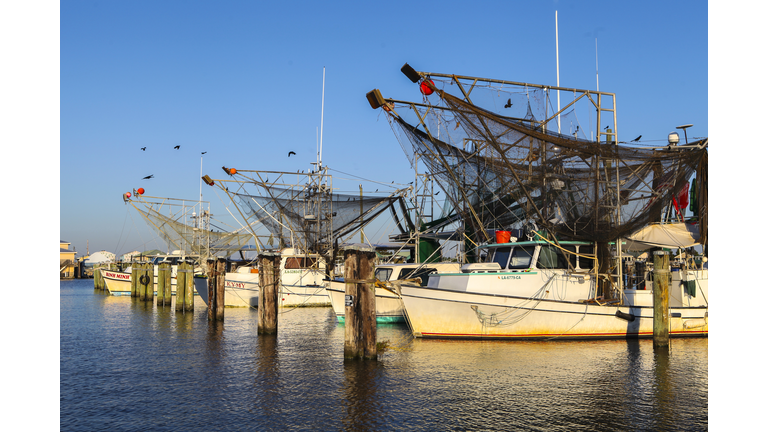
232	171
140	191
127	194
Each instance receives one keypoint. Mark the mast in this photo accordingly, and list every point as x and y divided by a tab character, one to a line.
557	61
322	107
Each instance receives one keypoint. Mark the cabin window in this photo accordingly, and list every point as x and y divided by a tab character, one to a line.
521	257
572	258
586	263
501	256
383	274
300	262
550	257
420	273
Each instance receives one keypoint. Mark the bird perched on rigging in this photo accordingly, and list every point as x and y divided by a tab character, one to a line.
177	147
148	177
509	103
638	138
291	153
203	153
143	149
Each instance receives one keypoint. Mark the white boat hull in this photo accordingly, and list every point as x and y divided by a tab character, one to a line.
389	307
485	306
242	290
118	283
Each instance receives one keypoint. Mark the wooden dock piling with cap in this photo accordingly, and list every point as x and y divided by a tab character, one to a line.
134	279
269	290
181	286
162	270
216	279
189	292
661	276
360	304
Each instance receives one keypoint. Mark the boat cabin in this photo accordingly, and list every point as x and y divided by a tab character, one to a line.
392	272
529	255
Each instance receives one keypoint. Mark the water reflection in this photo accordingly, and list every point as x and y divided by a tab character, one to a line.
120	356
363	410
266	379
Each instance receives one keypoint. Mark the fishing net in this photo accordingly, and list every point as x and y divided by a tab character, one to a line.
310	217
505	171
194	240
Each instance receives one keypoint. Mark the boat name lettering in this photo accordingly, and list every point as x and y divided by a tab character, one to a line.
118	276
235	284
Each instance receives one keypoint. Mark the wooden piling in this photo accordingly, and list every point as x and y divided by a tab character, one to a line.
360	304
221	269
181	286
661	275
212	277
269	289
134	280
216	279
150	272
189	292
168	285
161	299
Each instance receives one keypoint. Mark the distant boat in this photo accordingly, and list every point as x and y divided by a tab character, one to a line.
118	283
389	307
301	283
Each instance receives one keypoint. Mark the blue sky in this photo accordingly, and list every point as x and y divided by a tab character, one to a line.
242	81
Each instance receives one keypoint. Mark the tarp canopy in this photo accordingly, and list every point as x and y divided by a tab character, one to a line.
674	235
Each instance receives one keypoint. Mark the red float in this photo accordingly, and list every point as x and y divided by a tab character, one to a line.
140	191
425	89
232	171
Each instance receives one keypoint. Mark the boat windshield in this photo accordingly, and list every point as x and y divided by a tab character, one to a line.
521	257
383	274
501	256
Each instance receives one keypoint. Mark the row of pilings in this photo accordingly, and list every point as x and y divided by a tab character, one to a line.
360	299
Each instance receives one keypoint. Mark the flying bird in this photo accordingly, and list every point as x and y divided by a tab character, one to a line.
177	147
437	193
291	153
143	149
637	139
509	103
148	177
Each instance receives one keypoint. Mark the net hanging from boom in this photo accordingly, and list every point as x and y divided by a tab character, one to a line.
194	240
310	217
501	171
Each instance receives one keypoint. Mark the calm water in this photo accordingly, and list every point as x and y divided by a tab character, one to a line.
125	365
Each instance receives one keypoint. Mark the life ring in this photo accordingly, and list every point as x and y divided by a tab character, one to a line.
144	280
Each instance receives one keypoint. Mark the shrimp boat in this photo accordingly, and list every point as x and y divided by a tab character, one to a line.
118	283
301	283
533	290
553	222
305	220
187	228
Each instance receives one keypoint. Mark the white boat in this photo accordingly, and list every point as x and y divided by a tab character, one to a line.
241	288
526	291
301	283
389	307
118	283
